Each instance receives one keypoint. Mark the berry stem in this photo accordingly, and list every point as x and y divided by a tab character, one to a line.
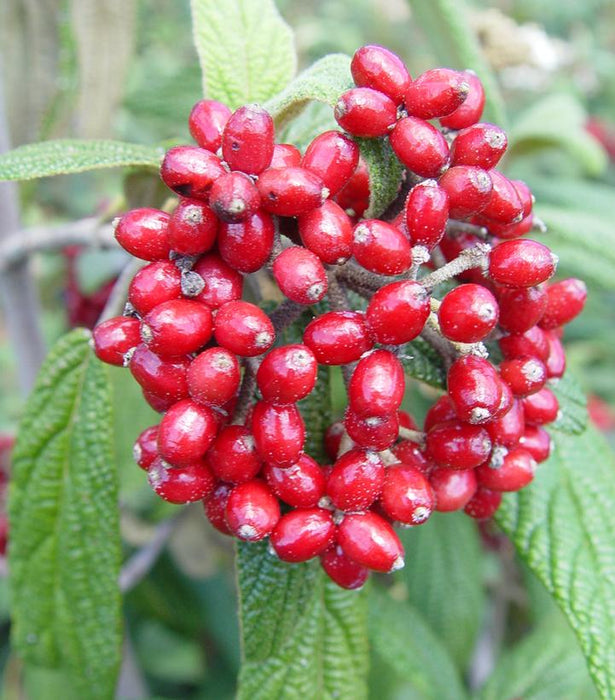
247	391
455	227
467	259
285	314
413	435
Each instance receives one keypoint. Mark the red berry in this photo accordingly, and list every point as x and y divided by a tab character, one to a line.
193	228
334	158
187	484
252	511
369	540
480	144
441	411
222	282
524	375
365	112
291	191
355	481
515	472
537	441
177	327
153	284
426	213
458	445
186	432
381	248
285	155
483	504
397	312
419	146
355	195
213	377
507	429
533	343
338	337
452	489
300	275
333	439
342	570
468	188
247	141
406	420
412	455
407	495
243	328
206	123
504	206
279	433
525	196
377	385
287	374
114	337
372	432
565	301
541	407
521	263
165	378
234	197
246	245
301	485
521	307
475	389
190	171
143	233
468	313
471	108
215	507
556	362
303	534
145	449
158	402
233	457
378	68
436	93
327	232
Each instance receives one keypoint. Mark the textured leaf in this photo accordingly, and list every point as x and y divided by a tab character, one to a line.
65	543
445	24
316	118
405	643
303	637
65	156
246	49
384	174
563	526
323	81
573	415
449	590
423	362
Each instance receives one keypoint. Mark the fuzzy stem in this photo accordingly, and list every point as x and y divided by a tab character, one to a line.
467	260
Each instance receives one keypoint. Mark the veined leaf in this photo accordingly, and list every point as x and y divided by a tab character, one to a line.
64	156
385	173
65	542
423	362
303	636
563	526
573	415
246	49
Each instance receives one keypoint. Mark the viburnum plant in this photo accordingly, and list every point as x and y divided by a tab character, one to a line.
386	249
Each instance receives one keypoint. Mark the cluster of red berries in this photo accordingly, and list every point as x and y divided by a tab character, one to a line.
232	434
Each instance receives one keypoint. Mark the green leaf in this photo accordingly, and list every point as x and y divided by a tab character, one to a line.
303	636
246	49
424	363
324	81
445	25
316	118
563	526
65	156
65	541
385	173
573	414
449	591
405	643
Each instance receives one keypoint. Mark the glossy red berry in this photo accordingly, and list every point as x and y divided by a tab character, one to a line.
187	484
354	197
532	343
287	374
143	233
397	312
145	449
369	540
524	375
190	171
342	570
291	191
300	275
521	263
537	441
452	488
377	384
471	108
234	197
381	247
483	504
458	445
413	455
419	146
565	301
556	362
407	496
436	93
114	337
285	155
365	112
193	228
279	433
177	327
215	507
206	123
153	284
334	158
158	402
233	456
475	389
247	140
468	313
213	377
186	431
441	411
301	485
504	205
515	472
378	68
480	144
165	378
338	337
507	429
426	213
356	480
243	328
252	511
468	188
333	439
303	534
222	283
246	245
327	232
372	432
521	307
540	408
